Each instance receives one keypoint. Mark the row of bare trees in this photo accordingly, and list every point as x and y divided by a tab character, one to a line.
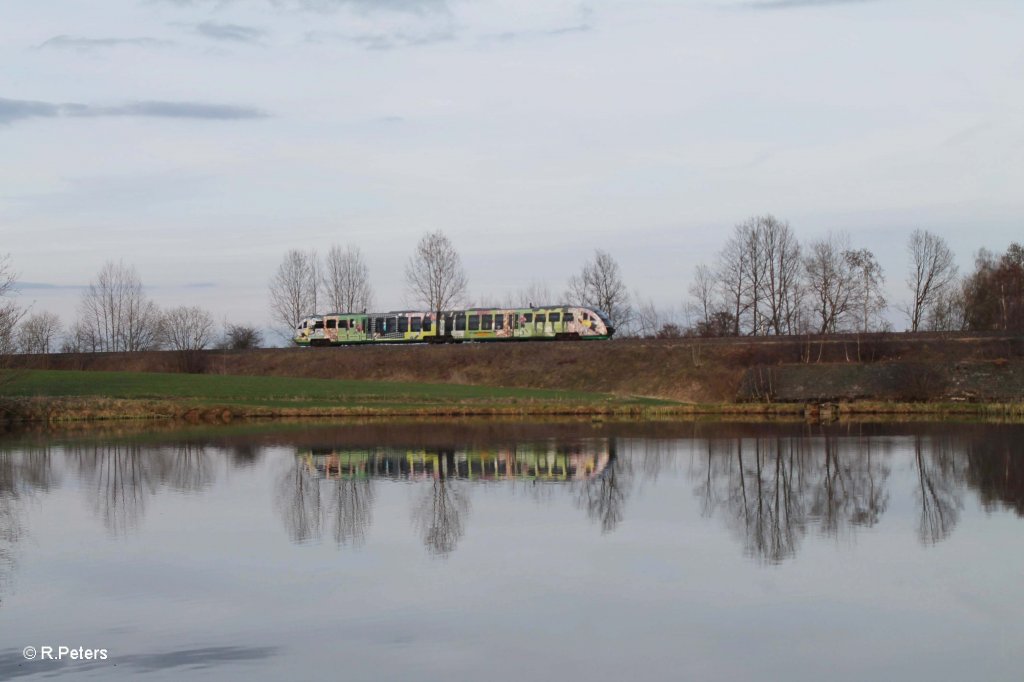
302	281
434	278
765	282
114	314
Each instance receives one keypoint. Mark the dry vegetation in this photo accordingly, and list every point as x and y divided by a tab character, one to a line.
972	367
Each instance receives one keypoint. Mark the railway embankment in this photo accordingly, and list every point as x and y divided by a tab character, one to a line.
918	369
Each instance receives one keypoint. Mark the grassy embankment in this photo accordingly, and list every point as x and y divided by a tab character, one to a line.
54	395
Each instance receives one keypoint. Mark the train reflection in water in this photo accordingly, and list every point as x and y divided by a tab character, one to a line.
335	487
534	461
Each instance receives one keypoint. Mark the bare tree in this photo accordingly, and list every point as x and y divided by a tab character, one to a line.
932	272
599	285
10	312
80	338
704	289
830	281
116	313
780	282
188	328
868	299
434	274
733	278
949	310
39	333
293	291
537	293
752	246
648	318
241	337
346	280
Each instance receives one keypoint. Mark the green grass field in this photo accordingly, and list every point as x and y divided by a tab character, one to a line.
286	392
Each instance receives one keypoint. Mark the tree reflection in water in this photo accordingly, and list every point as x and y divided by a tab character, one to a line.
773	490
335	486
604	496
311	494
351	507
23	474
940	478
442	508
123	476
772	485
298	500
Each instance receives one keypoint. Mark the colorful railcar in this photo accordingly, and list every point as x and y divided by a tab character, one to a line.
454	326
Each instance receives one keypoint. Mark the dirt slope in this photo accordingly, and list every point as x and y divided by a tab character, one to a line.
693	370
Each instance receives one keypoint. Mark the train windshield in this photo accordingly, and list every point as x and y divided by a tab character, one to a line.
604	317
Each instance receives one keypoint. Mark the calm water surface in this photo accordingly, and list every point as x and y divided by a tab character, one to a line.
517	551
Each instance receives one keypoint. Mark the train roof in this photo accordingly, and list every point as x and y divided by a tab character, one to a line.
604	316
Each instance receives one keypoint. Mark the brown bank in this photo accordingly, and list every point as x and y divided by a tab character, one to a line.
876	373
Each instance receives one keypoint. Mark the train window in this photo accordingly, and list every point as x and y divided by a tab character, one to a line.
392	325
540	319
527	317
331	324
378	325
426	323
460	322
403	324
499	321
555	317
415	324
487	322
344	324
474	322
319	324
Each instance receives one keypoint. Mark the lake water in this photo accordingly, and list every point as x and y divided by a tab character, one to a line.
516	551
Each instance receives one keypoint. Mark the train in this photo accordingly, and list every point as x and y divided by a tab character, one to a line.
455	326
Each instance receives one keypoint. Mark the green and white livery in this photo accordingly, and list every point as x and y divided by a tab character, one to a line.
454	326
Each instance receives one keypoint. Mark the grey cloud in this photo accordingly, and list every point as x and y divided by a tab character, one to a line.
14	110
82	43
509	36
791	4
585	23
182	110
229	32
414	6
382	41
45	286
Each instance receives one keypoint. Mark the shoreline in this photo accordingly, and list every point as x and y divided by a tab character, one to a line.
56	410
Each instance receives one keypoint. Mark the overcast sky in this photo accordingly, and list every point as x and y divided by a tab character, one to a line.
201	139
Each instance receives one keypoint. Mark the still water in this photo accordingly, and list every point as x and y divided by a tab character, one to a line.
517	551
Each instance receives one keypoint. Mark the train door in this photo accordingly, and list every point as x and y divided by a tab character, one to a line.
526	325
541	322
